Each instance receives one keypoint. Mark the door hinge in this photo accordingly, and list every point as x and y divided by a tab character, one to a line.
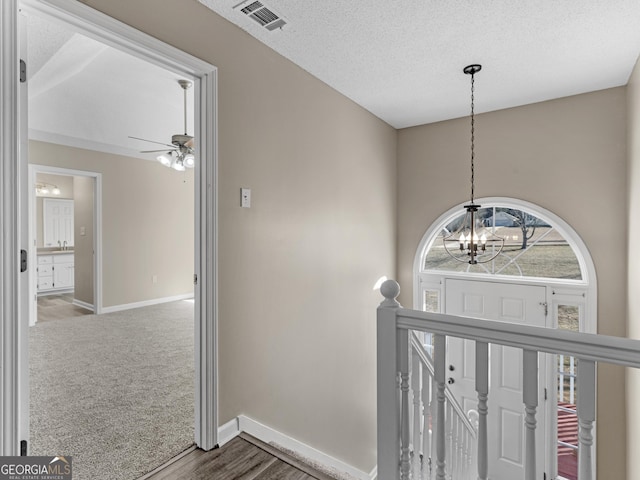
544	477
23	71
195	278
545	394
23	448
23	261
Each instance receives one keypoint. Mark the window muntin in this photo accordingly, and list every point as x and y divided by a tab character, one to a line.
533	247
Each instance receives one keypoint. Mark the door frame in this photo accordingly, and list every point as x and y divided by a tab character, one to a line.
97	236
586	289
14	402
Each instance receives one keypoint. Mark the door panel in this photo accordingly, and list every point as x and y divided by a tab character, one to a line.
511	303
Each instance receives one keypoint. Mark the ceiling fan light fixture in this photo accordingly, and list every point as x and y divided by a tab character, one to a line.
165	159
178	165
189	160
179	156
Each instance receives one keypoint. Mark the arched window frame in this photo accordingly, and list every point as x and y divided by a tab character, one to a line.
584	289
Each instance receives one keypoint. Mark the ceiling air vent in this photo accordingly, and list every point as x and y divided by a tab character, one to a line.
263	15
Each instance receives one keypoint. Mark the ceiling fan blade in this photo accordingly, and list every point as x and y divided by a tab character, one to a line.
151	141
156	151
190	143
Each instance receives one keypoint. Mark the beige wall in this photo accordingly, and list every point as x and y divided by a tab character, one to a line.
147	222
633	326
83	217
566	155
297	269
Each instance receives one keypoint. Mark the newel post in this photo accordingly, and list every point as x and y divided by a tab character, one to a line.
387	370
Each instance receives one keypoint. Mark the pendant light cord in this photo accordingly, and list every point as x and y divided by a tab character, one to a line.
473	173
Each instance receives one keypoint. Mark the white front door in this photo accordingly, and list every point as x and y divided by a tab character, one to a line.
511	303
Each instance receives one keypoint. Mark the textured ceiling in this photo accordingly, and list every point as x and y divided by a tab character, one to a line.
403	60
85	94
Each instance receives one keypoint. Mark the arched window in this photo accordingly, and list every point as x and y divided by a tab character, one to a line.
533	246
540	248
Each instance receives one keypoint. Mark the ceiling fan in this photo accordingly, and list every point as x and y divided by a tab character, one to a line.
179	156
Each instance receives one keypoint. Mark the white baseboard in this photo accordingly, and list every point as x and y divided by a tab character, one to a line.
81	304
146	303
268	435
228	432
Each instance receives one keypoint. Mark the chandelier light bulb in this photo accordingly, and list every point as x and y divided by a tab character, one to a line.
55	191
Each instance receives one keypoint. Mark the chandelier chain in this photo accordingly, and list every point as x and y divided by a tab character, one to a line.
472	138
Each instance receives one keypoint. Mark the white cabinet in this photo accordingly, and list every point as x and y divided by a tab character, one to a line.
55	272
57	216
45	273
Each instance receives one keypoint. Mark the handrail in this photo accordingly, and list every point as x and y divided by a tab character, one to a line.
598	348
426	360
394	344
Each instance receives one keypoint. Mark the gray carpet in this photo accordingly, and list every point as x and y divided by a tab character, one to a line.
114	391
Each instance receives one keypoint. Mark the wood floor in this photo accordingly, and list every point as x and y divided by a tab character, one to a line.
244	457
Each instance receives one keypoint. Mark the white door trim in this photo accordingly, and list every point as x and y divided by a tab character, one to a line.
97	228
10	226
118	35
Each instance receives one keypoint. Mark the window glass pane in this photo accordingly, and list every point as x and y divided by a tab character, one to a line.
431	301
532	248
569	317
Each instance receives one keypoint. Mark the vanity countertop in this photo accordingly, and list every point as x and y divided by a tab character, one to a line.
42	251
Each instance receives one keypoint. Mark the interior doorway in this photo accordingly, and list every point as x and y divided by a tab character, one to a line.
14	196
67	236
79	253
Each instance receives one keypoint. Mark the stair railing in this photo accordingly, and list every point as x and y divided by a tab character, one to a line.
394	363
460	433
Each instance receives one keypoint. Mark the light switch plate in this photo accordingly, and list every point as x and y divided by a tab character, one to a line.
245	197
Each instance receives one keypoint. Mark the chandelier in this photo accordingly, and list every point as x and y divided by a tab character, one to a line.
472	242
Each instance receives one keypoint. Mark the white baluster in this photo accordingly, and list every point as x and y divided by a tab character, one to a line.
416	387
435	428
405	431
426	427
530	399
459	454
387	367
561	377
468	445
439	353
572	386
482	387
586	417
448	451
